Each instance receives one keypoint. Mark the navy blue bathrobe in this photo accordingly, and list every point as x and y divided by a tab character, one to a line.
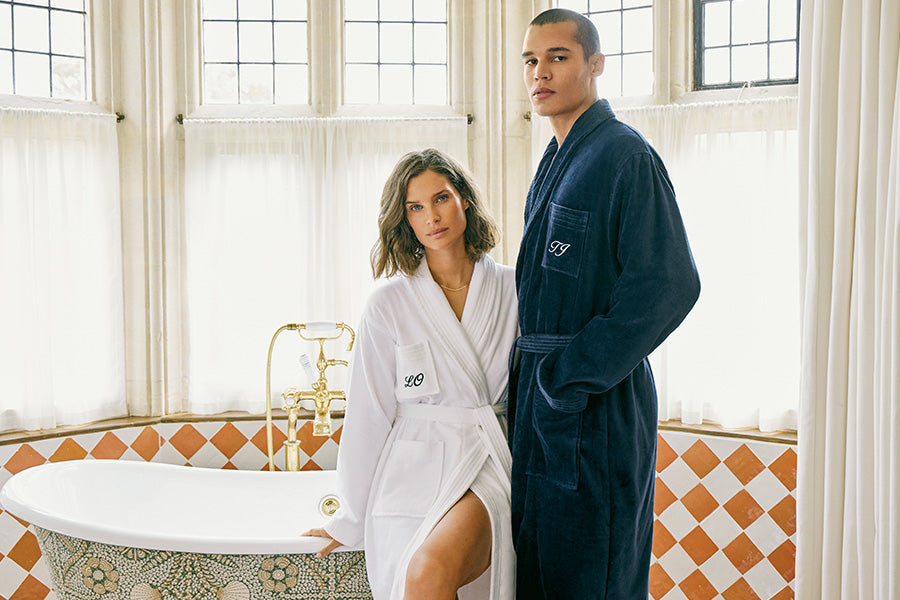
604	274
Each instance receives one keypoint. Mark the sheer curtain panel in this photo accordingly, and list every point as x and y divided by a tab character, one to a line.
848	509
61	309
735	359
280	216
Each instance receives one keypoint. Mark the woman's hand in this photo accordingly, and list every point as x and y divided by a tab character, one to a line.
323	534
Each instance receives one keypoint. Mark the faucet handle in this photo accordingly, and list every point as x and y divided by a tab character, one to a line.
320	327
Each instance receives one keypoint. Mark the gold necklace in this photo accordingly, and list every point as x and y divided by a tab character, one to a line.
449	289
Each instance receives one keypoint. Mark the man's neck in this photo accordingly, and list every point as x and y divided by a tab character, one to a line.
562	124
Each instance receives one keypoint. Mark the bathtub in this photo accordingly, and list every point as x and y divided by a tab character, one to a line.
147	531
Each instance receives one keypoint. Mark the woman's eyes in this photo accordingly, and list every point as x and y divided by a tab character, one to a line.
418	207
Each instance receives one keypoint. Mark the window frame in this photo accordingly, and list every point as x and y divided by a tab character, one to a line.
697	17
98	70
240	61
381	61
673	64
325	23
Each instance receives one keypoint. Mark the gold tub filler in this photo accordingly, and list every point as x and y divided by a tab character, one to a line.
319	394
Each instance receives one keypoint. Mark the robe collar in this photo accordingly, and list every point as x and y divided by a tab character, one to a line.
556	159
462	338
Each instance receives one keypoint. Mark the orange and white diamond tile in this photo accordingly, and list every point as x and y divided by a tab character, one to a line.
212	444
23	573
726	517
249	458
326	456
726	508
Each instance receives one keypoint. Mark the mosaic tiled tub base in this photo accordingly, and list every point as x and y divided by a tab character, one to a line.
83	570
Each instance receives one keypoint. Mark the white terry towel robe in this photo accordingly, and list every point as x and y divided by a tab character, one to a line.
425	422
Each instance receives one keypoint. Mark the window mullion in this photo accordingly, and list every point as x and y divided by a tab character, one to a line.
325	52
678	49
662	40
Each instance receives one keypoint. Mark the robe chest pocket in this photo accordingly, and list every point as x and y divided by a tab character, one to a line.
564	246
410	478
416	375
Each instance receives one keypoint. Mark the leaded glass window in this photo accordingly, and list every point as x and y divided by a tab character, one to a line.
43	48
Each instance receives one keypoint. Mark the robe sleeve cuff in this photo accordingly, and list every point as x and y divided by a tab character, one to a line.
570	403
348	534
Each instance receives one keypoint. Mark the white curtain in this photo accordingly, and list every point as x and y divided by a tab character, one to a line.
848	511
61	309
734	361
280	216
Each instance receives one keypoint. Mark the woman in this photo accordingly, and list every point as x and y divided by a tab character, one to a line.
423	461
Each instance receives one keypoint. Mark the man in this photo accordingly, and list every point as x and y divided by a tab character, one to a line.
604	274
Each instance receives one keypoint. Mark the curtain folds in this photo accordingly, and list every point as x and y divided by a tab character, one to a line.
61	311
280	216
849	460
734	169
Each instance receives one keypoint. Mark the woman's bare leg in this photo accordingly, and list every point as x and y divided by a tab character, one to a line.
456	552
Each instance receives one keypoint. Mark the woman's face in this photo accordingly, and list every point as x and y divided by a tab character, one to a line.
436	212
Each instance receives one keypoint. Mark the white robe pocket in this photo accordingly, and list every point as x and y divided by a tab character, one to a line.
410	479
416	375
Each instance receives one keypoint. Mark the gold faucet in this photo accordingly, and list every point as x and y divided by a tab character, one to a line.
291	397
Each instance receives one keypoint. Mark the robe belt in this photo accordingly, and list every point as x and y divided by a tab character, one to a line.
447	414
484	418
542	343
534	343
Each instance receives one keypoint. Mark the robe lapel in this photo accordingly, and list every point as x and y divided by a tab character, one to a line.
452	335
480	304
559	161
537	184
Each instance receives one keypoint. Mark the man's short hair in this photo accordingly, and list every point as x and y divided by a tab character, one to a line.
586	34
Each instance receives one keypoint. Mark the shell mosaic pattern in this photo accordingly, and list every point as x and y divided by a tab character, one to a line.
84	570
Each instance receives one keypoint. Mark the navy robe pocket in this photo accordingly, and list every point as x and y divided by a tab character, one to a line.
559	437
564	246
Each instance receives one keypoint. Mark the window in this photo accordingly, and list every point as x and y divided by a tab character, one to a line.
43	48
395	52
255	52
745	41
626	39
391	52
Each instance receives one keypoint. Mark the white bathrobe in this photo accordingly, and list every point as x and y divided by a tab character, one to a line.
425	422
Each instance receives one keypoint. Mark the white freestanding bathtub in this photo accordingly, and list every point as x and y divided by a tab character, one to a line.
147	531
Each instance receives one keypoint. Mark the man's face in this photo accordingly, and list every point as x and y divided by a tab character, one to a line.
560	82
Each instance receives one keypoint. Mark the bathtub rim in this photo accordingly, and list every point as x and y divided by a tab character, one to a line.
15	500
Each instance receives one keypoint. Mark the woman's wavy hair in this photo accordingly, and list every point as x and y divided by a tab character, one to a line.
397	248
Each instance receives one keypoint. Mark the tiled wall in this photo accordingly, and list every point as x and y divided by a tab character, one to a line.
725	507
234	445
725	519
